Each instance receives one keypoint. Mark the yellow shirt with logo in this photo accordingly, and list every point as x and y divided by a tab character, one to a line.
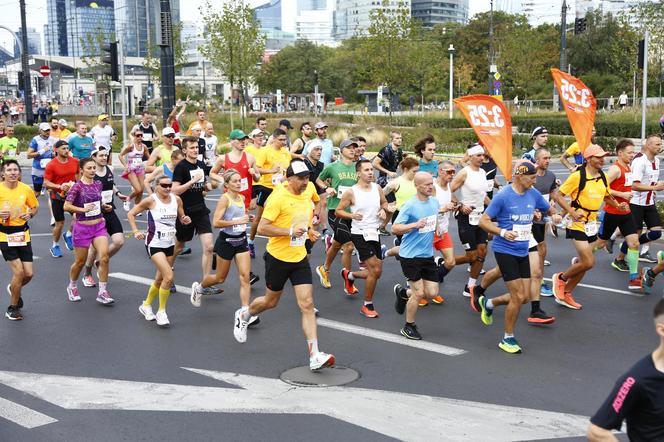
267	158
591	197
18	200
288	211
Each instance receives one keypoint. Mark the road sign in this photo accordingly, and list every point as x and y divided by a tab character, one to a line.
496	76
45	71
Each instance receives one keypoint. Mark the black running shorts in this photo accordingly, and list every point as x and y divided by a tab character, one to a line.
227	246
24	253
645	214
513	267
366	249
200	223
470	236
611	222
415	269
278	272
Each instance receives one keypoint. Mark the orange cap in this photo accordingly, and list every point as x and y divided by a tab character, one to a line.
594	151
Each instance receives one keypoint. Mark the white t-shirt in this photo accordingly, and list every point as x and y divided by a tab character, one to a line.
102	135
646	172
211	148
444	197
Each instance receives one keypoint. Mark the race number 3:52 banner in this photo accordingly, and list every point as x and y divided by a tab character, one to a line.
492	123
580	106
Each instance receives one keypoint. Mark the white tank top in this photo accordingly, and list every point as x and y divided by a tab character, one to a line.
474	188
368	204
161	223
444	197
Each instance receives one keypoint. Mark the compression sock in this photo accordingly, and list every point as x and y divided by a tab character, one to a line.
163	298
153	291
645	238
250	241
623	248
534	306
633	262
313	346
102	286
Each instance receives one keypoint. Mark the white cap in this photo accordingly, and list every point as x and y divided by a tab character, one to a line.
168	131
44	126
255	132
196	127
316	143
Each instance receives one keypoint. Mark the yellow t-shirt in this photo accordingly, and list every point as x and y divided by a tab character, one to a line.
193	123
19	200
288	210
64	133
253	150
591	197
55	133
310	191
267	158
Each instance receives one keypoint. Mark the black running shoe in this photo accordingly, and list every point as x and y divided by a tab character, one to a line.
186	251
620	265
383	232
402	298
645	257
253	320
13	313
410	331
253	279
20	302
609	246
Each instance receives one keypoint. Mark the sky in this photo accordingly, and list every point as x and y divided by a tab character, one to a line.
36	16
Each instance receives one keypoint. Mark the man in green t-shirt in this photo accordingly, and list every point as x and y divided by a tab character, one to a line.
9	145
336	178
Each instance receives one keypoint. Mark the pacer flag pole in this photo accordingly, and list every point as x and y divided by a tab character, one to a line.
580	105
492	123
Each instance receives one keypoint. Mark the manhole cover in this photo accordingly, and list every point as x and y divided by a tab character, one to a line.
326	377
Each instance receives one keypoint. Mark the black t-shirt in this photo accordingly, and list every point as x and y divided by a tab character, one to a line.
491	169
314	170
192	199
107	183
638	398
389	159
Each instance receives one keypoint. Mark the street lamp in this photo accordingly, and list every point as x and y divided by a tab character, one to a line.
451	51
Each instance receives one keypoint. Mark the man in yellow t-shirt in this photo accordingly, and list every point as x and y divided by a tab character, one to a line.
64	130
584	226
574	151
287	223
200	120
18	205
8	145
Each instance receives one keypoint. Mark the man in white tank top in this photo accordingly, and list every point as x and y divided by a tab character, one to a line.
368	209
473	184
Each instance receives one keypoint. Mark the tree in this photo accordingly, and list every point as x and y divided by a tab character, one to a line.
91	50
152	60
234	43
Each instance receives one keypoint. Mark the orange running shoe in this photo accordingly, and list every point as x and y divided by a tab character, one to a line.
368	311
558	287
438	299
569	302
423	302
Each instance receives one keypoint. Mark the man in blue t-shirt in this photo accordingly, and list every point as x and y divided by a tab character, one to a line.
417	221
80	143
513	210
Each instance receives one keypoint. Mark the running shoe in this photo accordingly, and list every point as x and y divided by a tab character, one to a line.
540	317
474	303
253	278
620	265
13	313
369	311
510	345
55	251
195	295
384	232
575	260
569	302
52	222
88	281
396	242
69	241
316	312
558	286
648	280
423	302
402	298
162	318
328	242
547	263
609	246
186	251
173	288
660	256
324	276
320	360
254	320
9	292
126	205
439	260
72	293
645	257
410	331
252	250
438	299
104	298
466	291
383	251
209	291
636	283
240	327
349	286
546	290
146	311
487	313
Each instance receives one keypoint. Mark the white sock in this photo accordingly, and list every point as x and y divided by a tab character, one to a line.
489	304
645	248
508	335
472	282
244	313
313	346
55	243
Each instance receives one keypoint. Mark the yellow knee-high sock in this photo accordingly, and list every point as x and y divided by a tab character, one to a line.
153	291
163	298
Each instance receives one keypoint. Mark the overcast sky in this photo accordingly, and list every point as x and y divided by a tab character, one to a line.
36	17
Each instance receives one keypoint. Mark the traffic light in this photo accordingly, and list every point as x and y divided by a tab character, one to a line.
642	50
574	71
21	81
580	25
110	60
40	84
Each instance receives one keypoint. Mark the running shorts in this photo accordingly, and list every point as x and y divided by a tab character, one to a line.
612	222
200	223
168	251
277	272
37	183
513	267
24	253
415	269
366	249
645	214
58	207
442	242
113	224
470	236
579	236
84	234
539	232
227	246
262	194
340	227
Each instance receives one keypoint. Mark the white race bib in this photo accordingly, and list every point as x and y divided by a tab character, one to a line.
197	174
43	163
430	225
443	223
107	196
523	231
591	228
147	136
298	241
199	157
489	185
244	184
239	228
370	235
16	239
11	153
277	178
474	217
628	178
96	208
136	162
166	234
341	190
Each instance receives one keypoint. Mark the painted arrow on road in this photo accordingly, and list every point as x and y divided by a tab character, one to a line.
398	415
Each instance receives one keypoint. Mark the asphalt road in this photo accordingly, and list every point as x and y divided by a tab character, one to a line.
567	368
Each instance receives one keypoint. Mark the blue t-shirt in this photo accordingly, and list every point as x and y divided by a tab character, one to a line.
418	243
327	152
81	147
431	167
510	209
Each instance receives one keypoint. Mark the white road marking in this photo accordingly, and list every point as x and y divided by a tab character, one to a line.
607	289
23	416
398	415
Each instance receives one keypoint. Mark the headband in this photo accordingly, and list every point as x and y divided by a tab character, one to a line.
476	150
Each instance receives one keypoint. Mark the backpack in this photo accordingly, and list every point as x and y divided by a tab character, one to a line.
582	184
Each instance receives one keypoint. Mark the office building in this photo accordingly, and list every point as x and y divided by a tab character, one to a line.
284	21
433	12
138	22
540	11
353	17
34	42
70	21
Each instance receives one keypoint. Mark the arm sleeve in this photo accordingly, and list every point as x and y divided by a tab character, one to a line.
618	405
571	184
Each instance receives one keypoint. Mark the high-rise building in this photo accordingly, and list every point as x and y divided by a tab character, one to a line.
137	21
541	11
433	12
34	42
289	20
353	17
70	21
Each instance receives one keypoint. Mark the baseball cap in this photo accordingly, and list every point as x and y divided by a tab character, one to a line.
61	143
594	151
525	168
285	123
44	126
62	122
196	127
98	149
539	130
168	131
102	117
297	168
255	132
347	143
320	125
237	134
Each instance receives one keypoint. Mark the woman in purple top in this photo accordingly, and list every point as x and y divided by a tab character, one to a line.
85	202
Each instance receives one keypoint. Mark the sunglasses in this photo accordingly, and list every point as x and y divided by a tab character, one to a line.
450	171
170	136
138	135
166	186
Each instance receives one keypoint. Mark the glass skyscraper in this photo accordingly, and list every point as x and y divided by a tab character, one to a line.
137	21
70	21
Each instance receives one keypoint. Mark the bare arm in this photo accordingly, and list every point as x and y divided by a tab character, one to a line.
145	204
599	434
154	156
376	164
152	177
489	226
179	189
565	162
346	201
266	228
124	152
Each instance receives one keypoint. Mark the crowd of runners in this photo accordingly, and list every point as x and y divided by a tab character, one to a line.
303	192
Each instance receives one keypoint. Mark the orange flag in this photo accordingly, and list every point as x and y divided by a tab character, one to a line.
580	106
492	123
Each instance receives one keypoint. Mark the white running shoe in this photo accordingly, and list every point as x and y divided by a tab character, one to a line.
240	327
72	293
162	318
196	294
104	298
88	281
547	263
146	311
126	205
320	360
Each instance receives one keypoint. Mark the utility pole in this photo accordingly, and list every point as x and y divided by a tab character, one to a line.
27	80
644	98
148	47
167	59
563	50
492	65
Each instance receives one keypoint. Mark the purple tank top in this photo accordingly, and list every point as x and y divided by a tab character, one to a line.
81	194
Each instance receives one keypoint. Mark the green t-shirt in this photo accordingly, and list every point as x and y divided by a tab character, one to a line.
9	148
341	177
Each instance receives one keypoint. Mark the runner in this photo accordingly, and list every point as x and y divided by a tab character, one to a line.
335	179
164	209
173	120
19	205
200	121
103	135
211	141
84	199
165	169
540	137
361	148
132	157
367	208
162	153
513	208
417	222
64	130
59	176
297	147
80	144
9	145
55	129
403	189
261	124
148	130
284	125
287	223
425	148
41	150
574	151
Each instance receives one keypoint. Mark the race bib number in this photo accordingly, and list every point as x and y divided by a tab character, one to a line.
197	175
167	234
107	196
430	225
489	185
474	217
147	136
94	208
628	179
523	231
199	157
239	228
11	153
277	178
591	228
341	190
244	184
43	163
370	235
136	162
17	239
443	223
296	241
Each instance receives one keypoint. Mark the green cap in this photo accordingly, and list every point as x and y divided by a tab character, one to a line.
237	134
